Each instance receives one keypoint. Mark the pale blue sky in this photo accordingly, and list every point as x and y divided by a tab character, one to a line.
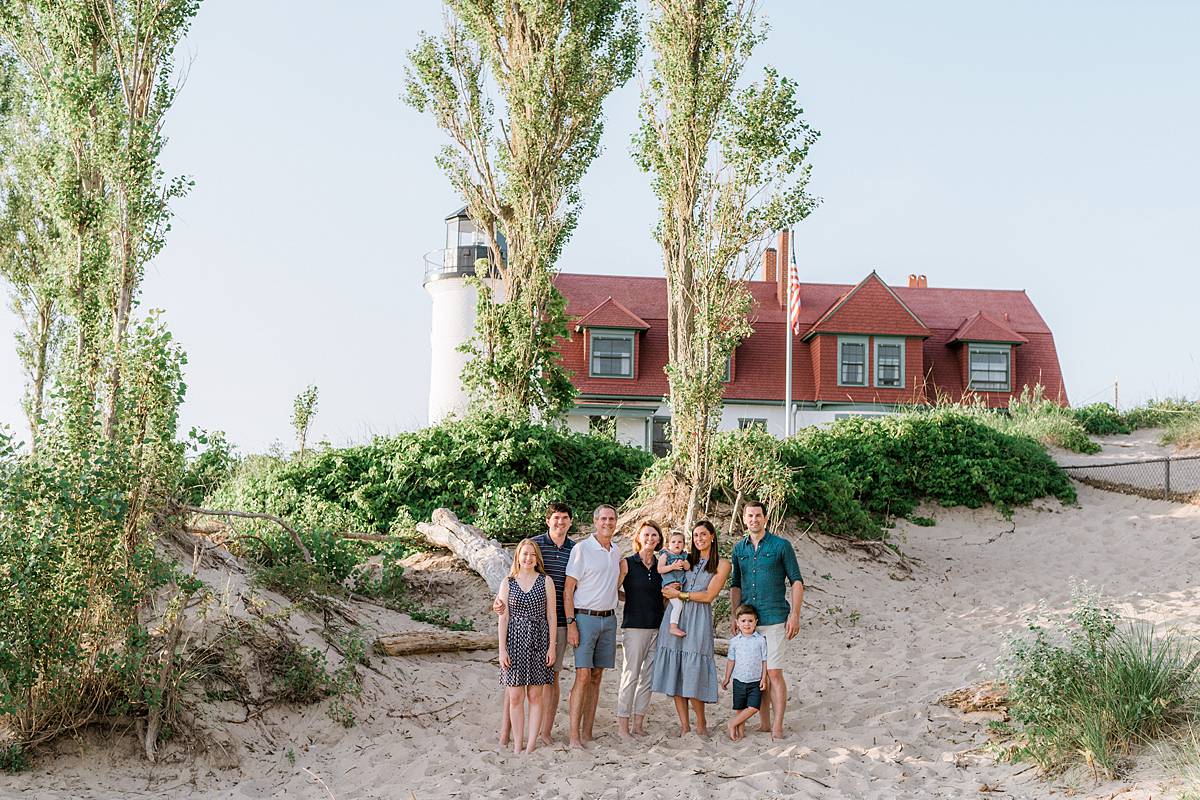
1050	147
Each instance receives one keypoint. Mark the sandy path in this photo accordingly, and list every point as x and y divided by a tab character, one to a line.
873	655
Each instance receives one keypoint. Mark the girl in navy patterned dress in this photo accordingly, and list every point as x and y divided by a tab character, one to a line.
526	646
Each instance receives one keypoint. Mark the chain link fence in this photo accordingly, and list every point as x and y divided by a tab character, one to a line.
1172	478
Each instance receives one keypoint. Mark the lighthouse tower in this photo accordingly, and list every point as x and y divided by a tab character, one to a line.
453	323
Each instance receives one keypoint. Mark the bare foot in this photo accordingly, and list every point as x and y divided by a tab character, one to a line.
732	729
624	734
531	748
576	744
777	736
702	732
546	740
684	730
639	732
763	729
678	631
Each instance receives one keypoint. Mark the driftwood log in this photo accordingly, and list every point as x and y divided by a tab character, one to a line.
413	643
483	555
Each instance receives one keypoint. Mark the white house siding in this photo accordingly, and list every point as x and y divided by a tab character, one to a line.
632	430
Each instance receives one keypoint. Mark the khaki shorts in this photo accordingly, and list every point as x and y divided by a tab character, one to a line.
560	648
777	643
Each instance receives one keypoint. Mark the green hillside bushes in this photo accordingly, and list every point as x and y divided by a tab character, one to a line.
490	471
894	462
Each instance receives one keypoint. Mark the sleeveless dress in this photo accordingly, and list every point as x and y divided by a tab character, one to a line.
684	666
528	636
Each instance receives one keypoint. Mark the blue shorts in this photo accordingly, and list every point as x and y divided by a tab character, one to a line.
746	695
597	646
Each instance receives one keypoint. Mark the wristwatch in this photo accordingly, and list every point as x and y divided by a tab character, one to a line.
570	620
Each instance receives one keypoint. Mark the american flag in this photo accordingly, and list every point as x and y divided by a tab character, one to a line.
793	287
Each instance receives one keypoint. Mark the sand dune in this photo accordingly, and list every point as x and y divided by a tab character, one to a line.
874	654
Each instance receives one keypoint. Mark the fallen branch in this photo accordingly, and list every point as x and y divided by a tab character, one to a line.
413	643
256	515
485	556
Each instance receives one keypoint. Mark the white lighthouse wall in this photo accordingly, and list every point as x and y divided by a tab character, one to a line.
453	322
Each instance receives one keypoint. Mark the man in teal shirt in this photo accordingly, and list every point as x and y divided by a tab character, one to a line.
763	564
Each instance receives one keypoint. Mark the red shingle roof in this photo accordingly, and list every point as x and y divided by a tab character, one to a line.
611	314
869	307
983	327
759	374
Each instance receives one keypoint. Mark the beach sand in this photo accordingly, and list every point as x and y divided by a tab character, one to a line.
877	648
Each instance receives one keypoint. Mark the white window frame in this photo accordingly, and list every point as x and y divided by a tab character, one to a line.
887	340
752	422
866	365
1006	350
619	335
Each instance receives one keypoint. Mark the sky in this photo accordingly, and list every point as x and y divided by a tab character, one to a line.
1050	147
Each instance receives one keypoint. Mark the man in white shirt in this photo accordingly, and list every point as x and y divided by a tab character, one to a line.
590	605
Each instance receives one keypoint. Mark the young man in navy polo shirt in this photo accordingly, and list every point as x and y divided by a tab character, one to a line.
763	565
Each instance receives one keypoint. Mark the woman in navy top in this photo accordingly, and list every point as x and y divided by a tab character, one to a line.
641	589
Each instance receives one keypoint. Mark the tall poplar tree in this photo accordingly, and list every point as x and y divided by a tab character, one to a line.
518	164
728	166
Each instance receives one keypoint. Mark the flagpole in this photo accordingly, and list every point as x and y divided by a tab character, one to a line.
787	331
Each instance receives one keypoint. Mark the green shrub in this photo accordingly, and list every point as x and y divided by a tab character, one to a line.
821	492
1101	419
1095	690
892	463
72	578
13	758
214	463
489	470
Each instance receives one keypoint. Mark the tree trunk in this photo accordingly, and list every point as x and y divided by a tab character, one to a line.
482	555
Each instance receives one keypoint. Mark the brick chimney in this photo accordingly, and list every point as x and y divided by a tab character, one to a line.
782	278
770	265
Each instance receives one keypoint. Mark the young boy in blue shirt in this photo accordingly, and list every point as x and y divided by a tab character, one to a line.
747	665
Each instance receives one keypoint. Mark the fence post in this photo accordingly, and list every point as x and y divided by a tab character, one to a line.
1167	481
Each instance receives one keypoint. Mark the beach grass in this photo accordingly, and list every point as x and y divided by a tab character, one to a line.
1094	690
1183	431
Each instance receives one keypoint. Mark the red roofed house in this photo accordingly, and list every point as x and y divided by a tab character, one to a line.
862	349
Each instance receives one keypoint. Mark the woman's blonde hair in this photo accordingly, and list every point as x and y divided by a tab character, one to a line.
537	552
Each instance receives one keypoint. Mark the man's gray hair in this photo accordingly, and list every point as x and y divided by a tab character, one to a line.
601	507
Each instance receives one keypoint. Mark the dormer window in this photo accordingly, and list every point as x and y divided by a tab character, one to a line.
989	367
611	354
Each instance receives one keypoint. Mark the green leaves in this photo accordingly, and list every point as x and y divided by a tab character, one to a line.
551	64
1095	686
490	470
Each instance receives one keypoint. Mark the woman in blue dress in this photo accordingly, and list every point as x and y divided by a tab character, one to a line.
685	667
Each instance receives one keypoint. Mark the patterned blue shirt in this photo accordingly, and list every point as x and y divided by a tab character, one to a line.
763	574
555	558
748	654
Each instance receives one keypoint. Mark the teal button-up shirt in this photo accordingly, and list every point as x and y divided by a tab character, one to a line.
760	573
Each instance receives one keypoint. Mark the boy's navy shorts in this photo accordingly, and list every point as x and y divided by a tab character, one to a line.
746	695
